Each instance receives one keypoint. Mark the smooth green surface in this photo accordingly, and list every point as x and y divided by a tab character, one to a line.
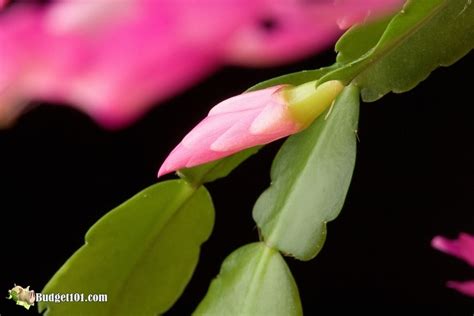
424	35
216	169
141	254
359	39
306	102
254	280
310	178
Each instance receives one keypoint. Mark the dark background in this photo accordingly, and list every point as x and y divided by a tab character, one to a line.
60	172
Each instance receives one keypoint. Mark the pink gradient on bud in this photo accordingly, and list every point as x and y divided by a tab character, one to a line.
241	122
462	248
114	59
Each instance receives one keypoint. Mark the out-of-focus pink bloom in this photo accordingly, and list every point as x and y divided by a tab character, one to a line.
113	59
300	28
462	248
251	119
113	70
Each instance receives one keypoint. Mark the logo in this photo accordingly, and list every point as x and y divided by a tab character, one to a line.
22	296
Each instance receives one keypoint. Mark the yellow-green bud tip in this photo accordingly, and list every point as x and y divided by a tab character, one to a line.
306	102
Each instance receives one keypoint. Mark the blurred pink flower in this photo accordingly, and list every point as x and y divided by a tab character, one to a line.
300	28
251	119
462	248
113	59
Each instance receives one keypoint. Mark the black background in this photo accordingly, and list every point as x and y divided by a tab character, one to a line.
60	172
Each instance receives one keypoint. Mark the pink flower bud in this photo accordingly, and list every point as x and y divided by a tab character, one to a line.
251	119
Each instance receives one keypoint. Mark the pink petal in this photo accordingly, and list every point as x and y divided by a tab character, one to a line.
462	248
209	129
245	101
267	125
203	151
466	288
194	149
274	119
236	138
179	161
